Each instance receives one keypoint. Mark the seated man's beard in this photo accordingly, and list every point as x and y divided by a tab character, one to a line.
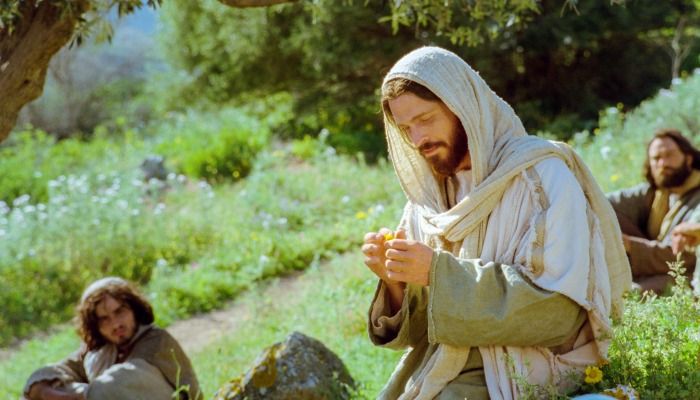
457	147
677	178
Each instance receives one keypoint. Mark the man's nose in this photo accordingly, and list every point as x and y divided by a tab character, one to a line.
113	323
418	135
662	162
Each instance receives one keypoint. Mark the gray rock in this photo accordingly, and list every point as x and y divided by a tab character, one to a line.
153	167
298	368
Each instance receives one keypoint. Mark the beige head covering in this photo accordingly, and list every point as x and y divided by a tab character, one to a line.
102	283
500	150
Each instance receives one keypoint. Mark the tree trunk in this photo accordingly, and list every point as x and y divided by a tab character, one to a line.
25	53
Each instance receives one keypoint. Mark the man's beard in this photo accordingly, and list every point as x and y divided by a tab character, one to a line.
675	179
457	149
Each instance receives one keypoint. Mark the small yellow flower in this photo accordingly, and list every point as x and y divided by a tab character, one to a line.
361	215
593	374
614	178
389	236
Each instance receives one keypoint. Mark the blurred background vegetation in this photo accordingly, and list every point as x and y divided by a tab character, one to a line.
557	64
274	159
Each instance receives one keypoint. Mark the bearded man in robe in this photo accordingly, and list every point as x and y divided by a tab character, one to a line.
650	212
507	264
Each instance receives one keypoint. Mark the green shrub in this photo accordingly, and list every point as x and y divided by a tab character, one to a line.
656	346
21	163
216	146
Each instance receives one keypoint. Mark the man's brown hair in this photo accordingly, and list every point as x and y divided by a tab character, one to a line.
398	86
683	143
122	291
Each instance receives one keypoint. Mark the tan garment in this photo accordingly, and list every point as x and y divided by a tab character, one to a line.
662	214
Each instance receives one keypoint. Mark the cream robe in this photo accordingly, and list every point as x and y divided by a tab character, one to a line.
565	247
500	151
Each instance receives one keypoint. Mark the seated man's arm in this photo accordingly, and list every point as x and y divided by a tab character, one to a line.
57	380
634	203
43	390
651	257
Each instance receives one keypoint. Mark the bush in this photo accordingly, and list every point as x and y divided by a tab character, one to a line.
22	165
656	346
216	146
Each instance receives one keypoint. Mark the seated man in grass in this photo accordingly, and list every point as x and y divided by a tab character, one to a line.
508	261
123	356
649	212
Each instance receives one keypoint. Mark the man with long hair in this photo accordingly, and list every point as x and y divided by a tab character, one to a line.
649	212
123	355
508	261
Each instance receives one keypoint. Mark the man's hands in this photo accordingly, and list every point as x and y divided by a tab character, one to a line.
685	235
397	260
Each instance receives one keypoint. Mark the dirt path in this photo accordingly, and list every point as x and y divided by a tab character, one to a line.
202	330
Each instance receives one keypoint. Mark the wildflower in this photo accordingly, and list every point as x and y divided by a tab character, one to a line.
361	215
389	236
593	374
21	200
614	178
622	392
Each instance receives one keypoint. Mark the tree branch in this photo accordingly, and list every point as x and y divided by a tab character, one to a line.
254	3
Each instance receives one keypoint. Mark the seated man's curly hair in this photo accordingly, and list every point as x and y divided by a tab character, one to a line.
122	291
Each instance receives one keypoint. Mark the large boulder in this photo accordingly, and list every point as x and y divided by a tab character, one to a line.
300	367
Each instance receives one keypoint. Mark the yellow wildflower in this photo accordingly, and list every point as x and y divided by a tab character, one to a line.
389	236
614	178
593	374
361	215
